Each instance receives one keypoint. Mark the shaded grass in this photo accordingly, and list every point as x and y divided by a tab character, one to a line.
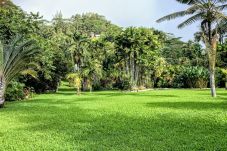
111	120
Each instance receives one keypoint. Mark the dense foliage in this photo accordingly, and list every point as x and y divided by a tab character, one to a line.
105	56
15	91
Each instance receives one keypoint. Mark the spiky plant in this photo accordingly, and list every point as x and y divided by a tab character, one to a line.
14	58
210	14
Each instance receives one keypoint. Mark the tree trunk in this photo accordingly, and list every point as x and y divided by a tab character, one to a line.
225	82
127	67
137	75
131	70
2	92
85	84
212	63
134	70
78	91
212	84
2	100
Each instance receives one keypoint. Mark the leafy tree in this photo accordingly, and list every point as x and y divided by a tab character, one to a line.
137	49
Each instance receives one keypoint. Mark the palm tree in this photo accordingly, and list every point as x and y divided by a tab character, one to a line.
210	13
14	58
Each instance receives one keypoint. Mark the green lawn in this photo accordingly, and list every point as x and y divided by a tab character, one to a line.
154	120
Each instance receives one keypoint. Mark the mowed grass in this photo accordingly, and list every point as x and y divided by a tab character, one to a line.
154	120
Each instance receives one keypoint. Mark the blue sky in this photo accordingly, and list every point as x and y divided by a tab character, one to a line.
121	12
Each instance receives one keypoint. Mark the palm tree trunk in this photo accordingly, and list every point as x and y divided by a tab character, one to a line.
2	92
226	82
212	63
212	83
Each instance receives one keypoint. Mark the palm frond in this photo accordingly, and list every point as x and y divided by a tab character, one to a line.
222	7
17	55
191	10
30	72
221	1
14	49
34	65
173	16
190	20
186	1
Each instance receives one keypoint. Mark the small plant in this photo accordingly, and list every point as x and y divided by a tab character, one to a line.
74	81
15	91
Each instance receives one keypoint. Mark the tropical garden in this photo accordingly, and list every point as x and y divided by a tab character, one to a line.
84	83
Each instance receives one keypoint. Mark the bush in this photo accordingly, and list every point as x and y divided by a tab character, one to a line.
123	83
15	91
192	77
42	84
220	78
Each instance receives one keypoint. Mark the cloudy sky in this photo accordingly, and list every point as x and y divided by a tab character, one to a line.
121	12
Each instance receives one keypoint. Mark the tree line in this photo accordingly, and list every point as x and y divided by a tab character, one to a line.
94	54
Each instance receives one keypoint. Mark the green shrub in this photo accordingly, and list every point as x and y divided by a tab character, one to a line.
192	77
124	83
14	91
220	78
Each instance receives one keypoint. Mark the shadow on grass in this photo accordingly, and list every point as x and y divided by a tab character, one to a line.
72	92
97	130
60	101
66	91
190	105
134	94
222	94
69	125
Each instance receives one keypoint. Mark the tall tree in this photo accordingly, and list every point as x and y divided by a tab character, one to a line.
136	51
210	14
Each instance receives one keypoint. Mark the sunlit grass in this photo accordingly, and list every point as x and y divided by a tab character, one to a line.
112	120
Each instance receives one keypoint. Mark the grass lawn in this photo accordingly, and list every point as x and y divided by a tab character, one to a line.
155	120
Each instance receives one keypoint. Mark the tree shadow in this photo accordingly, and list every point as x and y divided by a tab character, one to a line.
61	124
134	94
102	131
60	101
222	94
66	94
66	91
71	92
190	105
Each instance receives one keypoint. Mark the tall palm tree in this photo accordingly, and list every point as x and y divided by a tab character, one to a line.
14	58
210	13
